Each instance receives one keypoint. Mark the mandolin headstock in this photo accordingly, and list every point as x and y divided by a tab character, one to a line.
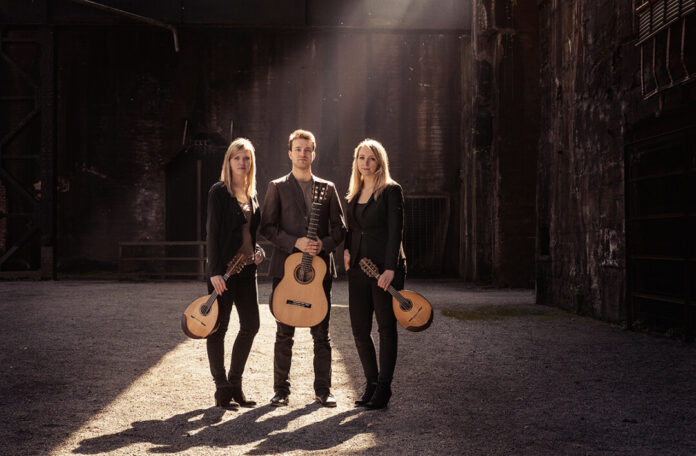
369	268
236	264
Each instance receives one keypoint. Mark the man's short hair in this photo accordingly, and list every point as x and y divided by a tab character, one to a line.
302	134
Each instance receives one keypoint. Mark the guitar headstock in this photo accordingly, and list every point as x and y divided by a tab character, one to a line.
236	264
369	268
319	192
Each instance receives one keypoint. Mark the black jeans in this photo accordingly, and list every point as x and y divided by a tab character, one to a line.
242	292
282	354
364	299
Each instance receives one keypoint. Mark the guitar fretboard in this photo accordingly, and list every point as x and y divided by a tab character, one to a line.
311	234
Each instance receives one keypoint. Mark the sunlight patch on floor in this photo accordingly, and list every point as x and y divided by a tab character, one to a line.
169	409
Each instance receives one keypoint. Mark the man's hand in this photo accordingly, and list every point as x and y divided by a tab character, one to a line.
346	259
219	284
307	245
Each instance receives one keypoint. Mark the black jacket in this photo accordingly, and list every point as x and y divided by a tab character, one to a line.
382	230
285	217
224	233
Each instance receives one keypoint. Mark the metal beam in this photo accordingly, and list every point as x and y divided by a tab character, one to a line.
135	17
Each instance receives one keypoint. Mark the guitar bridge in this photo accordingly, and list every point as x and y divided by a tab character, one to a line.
292	302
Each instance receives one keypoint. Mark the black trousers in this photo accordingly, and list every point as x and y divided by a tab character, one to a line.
364	299
282	354
241	292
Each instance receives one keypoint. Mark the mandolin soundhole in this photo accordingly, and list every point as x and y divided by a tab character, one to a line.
304	275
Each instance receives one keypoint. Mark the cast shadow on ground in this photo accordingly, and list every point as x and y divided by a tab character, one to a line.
200	428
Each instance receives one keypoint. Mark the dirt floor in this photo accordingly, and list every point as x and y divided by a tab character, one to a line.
103	368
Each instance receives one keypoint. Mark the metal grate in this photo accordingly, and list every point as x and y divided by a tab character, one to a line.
660	222
427	219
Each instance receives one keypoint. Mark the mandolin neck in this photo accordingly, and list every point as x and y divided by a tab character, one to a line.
393	291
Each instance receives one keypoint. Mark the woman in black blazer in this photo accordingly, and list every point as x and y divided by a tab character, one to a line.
233	218
375	230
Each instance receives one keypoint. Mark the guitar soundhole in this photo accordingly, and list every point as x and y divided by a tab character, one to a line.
304	275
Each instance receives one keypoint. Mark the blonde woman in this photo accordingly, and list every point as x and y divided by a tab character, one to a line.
233	218
375	230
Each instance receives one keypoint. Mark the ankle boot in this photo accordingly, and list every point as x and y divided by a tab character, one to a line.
238	395
370	388
223	397
380	398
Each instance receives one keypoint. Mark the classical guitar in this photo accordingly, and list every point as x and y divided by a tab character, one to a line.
200	319
411	309
299	299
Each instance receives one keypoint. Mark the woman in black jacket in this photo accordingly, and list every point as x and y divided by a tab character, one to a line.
375	231
233	218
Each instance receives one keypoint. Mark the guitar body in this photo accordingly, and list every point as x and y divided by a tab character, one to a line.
196	322
300	300
418	317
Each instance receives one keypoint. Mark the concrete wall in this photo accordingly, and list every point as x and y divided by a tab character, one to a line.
499	166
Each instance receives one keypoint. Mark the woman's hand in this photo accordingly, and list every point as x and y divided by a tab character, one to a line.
385	279
259	257
219	284
346	259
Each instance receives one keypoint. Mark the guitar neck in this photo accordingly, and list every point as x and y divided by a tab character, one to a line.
311	232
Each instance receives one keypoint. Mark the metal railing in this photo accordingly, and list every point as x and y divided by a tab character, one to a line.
162	260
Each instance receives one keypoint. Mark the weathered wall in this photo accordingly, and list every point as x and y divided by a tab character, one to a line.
124	97
589	91
499	171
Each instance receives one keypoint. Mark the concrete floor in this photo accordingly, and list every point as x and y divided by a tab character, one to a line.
95	367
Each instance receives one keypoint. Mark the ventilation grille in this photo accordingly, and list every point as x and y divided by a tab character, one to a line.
666	37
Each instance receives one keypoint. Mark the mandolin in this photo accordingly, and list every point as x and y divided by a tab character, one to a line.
411	309
200	319
298	299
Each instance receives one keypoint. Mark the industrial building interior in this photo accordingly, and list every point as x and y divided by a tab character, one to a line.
542	144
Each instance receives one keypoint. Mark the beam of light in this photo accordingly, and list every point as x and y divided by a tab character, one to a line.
169	407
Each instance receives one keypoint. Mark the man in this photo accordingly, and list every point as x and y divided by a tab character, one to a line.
284	219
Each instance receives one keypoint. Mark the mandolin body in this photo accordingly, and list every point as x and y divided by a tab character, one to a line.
196	322
418	317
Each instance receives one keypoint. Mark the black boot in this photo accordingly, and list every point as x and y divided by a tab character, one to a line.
223	397
238	395
370	388
380	398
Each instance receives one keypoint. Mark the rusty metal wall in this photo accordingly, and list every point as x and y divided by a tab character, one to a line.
124	97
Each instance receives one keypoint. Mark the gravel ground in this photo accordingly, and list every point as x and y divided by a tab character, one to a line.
103	368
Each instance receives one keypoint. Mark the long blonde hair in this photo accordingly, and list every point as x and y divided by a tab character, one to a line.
237	146
382	176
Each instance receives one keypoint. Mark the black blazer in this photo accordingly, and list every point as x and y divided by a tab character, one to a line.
223	226
284	220
381	231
